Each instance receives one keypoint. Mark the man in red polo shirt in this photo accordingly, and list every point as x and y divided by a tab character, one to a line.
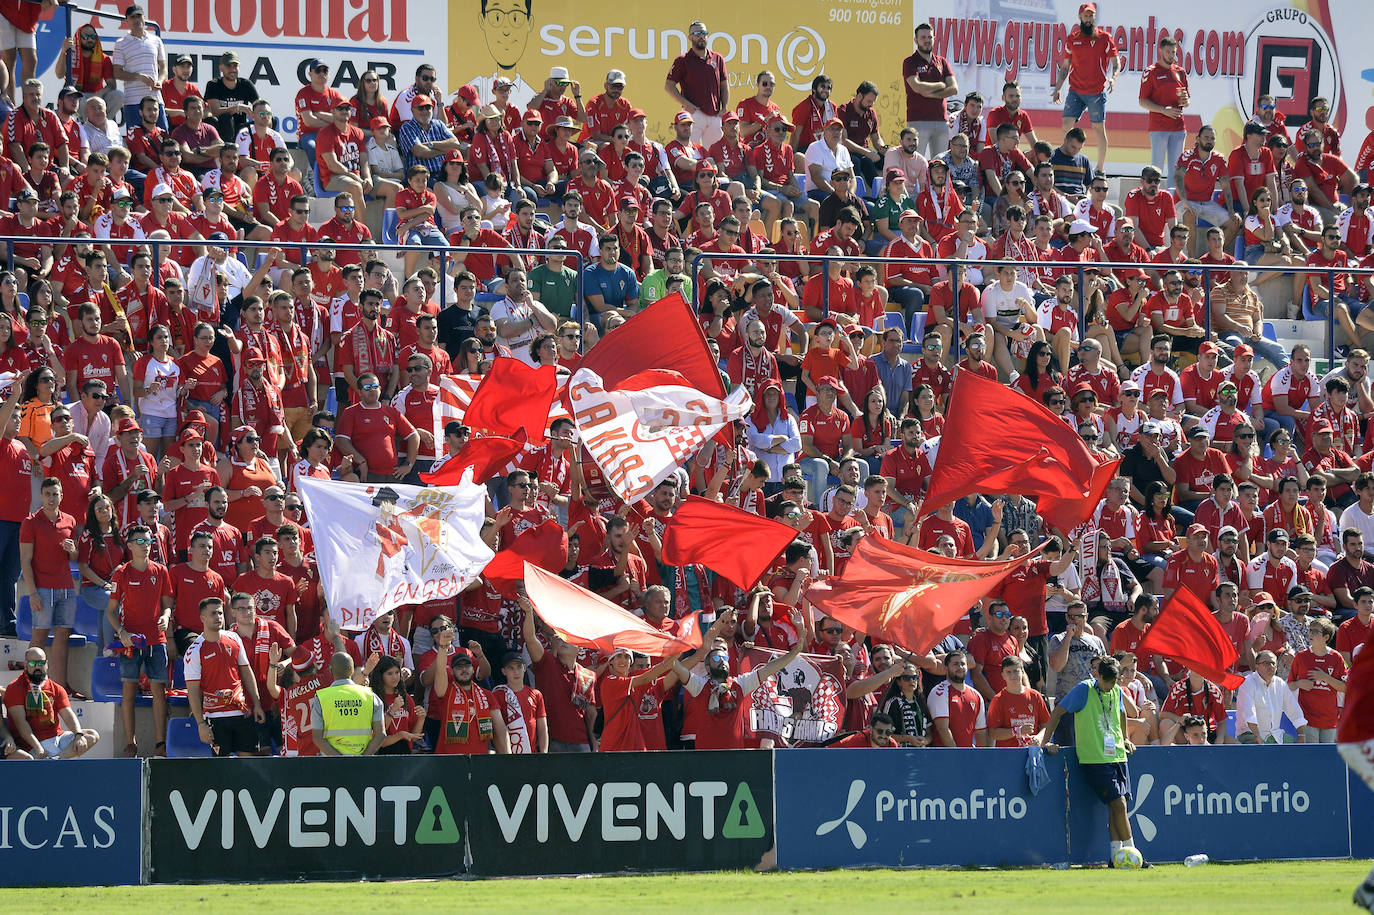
906	469
1151	210
1164	93
367	432
1326	174
1192	568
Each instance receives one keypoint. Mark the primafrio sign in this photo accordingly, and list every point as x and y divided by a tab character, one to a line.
612	812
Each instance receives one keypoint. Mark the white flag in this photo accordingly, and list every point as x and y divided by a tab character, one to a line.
639	437
380	546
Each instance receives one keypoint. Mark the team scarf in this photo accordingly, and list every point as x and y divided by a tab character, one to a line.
262	644
372	352
467	706
517	729
390	646
725	696
1099	585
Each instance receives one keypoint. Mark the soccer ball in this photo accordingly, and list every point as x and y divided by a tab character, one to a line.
1127	857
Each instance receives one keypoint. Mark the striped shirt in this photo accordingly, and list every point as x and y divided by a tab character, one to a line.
412	133
139	55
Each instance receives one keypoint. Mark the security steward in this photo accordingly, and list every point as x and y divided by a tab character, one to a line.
351	720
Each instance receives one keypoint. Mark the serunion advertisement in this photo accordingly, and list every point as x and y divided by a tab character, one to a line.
916	808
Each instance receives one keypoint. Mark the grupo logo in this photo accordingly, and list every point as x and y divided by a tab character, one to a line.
1293	59
908	806
1261	799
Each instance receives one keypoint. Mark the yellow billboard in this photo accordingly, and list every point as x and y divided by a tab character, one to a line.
523	39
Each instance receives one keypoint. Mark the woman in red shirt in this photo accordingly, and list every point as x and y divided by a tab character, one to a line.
367	103
99	551
927	411
205	384
402	721
1042	371
1155	534
871	432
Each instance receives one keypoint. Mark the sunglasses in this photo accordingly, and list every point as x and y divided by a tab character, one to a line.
368	387
883	732
276	498
521	485
443	628
294	508
141	541
908	677
346	209
1002	614
39	663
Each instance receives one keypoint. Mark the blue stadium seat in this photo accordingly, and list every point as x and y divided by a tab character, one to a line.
918	327
88	620
801	181
183	740
105	683
178	672
23	624
1309	313
892	319
389	223
1269	333
319	188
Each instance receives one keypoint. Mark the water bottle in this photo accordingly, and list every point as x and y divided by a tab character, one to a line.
1195	860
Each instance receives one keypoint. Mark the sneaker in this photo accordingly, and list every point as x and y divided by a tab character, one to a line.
1364	896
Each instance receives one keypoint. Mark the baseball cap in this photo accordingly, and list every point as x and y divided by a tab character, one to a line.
682	117
1081	226
1226	531
619	651
706	166
133	9
502	82
1157	392
255	357
1227	386
1125	222
190	433
834	122
218	236
1322	427
533	116
629	203
178	59
828	381
72	90
214	192
1242	349
28	193
1150	429
420	101
455	155
1263	598
729	116
119	194
1277	533
826	322
163	190
908	214
1207	346
241	431
194	416
895	174
228	57
467	92
316	64
1298	591
1130	273
937	163
378	123
1196	529
837	172
127	424
341	102
615	78
637	113
1198	431
779	119
1087	8
1130	385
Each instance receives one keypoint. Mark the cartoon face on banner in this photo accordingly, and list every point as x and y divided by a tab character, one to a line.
802	703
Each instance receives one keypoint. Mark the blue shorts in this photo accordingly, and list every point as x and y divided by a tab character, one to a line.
1108	780
817	194
1095	105
1253	253
426	235
151	660
57	610
1352	305
211	410
779	196
158	426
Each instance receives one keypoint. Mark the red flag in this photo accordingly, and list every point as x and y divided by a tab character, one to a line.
544	545
589	621
513	396
903	595
729	541
999	440
1066	513
1187	632
666	335
485	454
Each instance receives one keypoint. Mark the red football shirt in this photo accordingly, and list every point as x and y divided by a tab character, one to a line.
140	595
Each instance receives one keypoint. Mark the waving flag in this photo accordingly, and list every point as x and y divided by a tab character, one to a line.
513	396
998	440
589	621
485	454
641	432
455	396
545	545
729	541
666	335
388	545
899	594
1187	632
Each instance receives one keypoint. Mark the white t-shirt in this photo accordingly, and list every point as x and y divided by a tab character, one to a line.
1355	517
1000	305
829	160
162	403
139	55
519	345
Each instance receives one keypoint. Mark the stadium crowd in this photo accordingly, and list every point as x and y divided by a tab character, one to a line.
170	384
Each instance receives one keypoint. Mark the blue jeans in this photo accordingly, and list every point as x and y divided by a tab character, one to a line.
56	610
816	472
1165	148
1265	348
909	298
9	574
306	141
1077	103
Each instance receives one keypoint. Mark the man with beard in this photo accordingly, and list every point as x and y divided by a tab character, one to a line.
1070	655
273	593
877	736
367	433
1199	170
958	711
472	722
228	547
40	716
366	347
723	725
1091	66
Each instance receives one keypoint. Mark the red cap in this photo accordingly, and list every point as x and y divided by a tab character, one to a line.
629	203
681	117
301	660
194	416
127	424
454	155
829	381
729	116
834	122
827	322
1207	346
1127	273
1322	427
533	117
1262	597
779	119
240	432
190	434
894	174
908	214
467	92
1088	8
1196	529
706	165
1242	349
636	113
378	122
421	100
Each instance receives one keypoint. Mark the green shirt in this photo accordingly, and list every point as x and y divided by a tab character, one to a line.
889	209
1099	717
555	289
655	287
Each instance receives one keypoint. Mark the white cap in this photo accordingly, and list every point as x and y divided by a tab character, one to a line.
558	73
162	190
1081	225
616	76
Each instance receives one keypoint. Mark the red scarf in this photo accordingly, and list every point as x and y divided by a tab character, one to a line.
373	351
464	709
392	646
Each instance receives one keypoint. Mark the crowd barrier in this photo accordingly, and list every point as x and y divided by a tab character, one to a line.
93	822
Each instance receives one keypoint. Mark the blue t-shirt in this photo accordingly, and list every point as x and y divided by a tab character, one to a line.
1071	173
1077	698
615	286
